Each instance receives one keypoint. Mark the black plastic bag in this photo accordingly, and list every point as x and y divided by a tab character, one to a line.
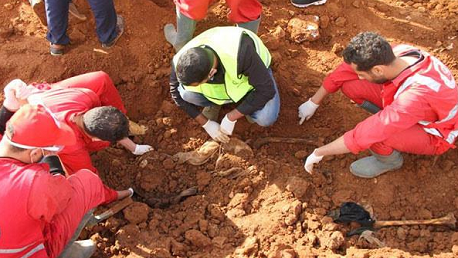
352	212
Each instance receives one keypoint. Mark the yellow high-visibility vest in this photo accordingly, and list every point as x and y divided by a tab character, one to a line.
225	41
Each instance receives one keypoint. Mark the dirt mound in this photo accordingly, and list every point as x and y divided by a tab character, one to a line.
272	209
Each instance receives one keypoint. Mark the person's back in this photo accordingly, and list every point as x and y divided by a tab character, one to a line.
42	211
435	83
20	234
66	102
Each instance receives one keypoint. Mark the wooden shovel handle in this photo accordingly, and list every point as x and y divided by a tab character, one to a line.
448	220
115	209
262	141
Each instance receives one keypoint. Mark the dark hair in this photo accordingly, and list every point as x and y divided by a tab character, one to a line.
12	148
193	66
106	123
368	49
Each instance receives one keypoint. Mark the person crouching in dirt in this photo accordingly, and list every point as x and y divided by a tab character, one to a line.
225	65
43	212
90	105
412	95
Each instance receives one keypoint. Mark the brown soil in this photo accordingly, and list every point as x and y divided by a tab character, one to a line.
275	209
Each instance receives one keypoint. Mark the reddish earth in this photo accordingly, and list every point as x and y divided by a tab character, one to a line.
274	209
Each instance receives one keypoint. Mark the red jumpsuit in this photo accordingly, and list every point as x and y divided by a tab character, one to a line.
39	211
419	107
75	96
241	10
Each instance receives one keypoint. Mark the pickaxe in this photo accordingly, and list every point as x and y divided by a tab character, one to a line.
352	212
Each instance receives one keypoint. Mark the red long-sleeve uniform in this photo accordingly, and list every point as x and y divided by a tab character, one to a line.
39	211
76	96
419	107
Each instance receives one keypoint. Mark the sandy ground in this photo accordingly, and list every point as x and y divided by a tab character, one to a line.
274	208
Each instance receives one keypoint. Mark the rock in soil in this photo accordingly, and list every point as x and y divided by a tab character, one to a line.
137	212
304	28
197	239
297	185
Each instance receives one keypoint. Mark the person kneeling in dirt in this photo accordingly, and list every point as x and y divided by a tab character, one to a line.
225	65
412	95
90	105
43	212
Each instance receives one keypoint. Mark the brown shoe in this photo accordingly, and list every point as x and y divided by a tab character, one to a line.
38	7
56	50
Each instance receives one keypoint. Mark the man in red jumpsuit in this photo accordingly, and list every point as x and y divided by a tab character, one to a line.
92	107
41	212
245	13
412	95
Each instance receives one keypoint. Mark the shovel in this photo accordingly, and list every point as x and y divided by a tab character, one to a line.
110	212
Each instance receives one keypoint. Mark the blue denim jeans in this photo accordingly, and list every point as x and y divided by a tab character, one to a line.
57	17
263	117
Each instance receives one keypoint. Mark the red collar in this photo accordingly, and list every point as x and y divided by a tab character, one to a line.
405	51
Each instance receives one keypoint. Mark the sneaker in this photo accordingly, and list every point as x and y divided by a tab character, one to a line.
56	50
74	11
38	7
250	119
119	30
307	3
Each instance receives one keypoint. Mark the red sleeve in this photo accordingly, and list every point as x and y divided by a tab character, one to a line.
407	110
49	195
80	159
341	74
77	159
110	194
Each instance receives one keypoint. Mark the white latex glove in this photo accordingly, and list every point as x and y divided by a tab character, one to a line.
306	110
142	149
131	190
213	129
311	160
12	91
227	126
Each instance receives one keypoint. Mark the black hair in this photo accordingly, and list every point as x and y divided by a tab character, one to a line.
12	148
106	123
193	66
368	49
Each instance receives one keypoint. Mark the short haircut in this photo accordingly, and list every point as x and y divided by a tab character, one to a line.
368	49
13	149
193	66
106	123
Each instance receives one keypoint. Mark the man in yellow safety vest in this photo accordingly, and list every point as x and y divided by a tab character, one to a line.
225	65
